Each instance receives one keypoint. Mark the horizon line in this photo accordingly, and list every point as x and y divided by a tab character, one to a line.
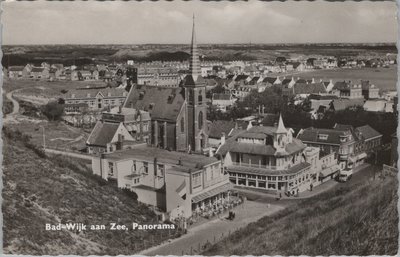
304	43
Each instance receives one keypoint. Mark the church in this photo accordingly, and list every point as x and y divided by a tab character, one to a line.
178	115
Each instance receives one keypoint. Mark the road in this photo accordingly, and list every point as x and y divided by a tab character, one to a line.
70	154
213	231
15	103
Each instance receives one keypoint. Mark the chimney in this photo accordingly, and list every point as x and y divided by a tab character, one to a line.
312	81
223	138
119	109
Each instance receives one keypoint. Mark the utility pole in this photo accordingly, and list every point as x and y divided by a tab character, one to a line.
44	139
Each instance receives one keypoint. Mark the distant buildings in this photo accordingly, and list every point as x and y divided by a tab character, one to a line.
96	99
351	146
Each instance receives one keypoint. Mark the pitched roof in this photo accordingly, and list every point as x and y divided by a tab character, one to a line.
254	79
342	104
312	135
312	88
286	81
37	69
16	68
221	96
367	132
342	85
92	92
270	80
216	128
161	103
102	133
260	132
241	77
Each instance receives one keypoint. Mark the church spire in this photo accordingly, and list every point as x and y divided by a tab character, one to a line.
281	127
194	66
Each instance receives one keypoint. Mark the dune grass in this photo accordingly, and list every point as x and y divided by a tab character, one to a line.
362	220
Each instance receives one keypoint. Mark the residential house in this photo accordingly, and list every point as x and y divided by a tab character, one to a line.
343	104
96	99
176	183
223	101
378	105
39	73
17	72
369	91
303	90
219	130
108	137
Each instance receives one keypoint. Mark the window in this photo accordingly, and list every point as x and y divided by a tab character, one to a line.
322	137
134	166
200	120
146	167
196	178
160	170
111	168
200	97
182	125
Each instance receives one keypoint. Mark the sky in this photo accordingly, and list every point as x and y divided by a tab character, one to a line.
132	22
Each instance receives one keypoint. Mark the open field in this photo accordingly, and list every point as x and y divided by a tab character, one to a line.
361	219
39	190
57	135
40	92
383	78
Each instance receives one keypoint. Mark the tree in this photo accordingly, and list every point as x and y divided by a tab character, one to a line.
53	111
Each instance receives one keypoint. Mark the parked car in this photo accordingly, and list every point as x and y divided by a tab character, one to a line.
345	175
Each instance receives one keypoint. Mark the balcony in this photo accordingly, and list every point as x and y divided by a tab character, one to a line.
251	165
216	180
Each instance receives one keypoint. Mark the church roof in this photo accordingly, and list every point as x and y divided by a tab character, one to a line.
162	103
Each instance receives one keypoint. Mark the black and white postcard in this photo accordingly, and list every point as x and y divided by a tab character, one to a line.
199	128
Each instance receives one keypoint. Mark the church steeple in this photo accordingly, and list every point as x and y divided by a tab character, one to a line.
194	66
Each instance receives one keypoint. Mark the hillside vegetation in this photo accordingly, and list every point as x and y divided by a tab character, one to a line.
39	190
359	221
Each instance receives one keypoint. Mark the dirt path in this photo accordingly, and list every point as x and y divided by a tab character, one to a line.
11	116
75	155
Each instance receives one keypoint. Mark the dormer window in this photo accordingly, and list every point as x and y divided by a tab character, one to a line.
323	137
151	105
141	95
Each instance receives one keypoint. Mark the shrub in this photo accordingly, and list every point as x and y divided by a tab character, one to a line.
53	111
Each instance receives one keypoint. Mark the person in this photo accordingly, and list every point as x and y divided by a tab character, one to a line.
311	187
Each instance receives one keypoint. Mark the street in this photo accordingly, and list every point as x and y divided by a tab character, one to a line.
214	230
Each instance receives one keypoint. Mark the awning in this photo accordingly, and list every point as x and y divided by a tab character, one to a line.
352	159
131	176
212	192
361	156
329	171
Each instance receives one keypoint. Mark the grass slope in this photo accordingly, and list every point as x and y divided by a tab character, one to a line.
52	190
342	221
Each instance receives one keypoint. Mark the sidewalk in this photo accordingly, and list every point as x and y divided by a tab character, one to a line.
305	194
213	231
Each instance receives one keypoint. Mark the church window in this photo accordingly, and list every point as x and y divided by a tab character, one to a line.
200	120
182	125
200	97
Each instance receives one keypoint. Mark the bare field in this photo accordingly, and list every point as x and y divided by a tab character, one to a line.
383	78
57	135
44	89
